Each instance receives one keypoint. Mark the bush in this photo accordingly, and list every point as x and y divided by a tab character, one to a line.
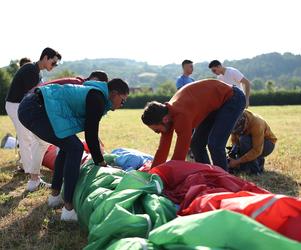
280	97
5	80
260	98
138	101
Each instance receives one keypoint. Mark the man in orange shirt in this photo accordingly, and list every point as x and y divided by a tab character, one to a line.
210	106
253	140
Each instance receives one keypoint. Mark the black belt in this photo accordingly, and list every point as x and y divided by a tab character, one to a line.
38	94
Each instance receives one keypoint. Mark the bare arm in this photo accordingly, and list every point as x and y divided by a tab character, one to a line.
247	87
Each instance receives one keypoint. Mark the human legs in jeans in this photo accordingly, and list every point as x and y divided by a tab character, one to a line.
67	165
216	129
199	139
33	115
256	166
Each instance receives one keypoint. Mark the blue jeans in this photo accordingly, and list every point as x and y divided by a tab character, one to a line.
215	130
256	166
33	116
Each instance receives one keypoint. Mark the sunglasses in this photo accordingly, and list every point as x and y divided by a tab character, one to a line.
54	64
122	101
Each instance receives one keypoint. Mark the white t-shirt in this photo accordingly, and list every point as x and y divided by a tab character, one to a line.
232	76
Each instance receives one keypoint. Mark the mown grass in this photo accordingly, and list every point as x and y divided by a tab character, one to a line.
27	223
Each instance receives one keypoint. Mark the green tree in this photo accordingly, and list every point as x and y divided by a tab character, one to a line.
13	67
257	84
5	80
63	73
270	85
166	88
294	82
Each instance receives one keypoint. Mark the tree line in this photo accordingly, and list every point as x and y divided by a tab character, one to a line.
274	77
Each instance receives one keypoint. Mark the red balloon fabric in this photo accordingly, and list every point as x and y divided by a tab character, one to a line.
51	153
185	181
278	212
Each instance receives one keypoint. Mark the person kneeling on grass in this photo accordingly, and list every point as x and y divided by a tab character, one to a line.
252	140
210	106
56	113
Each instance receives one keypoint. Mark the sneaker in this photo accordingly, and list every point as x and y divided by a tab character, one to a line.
55	201
68	215
19	170
34	185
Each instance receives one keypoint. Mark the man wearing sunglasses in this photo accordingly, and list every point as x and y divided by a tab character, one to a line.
32	149
231	76
62	111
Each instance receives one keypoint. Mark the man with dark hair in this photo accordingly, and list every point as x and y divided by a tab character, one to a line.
32	149
62	111
185	78
231	76
252	140
49	53
210	106
100	75
24	60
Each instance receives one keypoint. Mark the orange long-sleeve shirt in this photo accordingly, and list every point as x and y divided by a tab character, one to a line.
259	130
188	108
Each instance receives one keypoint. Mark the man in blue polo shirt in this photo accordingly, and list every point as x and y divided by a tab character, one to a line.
184	79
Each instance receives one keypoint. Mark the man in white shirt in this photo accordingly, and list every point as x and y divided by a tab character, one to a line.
231	76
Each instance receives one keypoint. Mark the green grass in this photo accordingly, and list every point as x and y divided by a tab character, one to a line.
27	223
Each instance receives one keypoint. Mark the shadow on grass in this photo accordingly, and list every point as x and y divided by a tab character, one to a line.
42	229
16	181
274	182
8	202
19	179
10	196
39	227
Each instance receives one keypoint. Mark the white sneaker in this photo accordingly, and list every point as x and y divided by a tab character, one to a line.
68	215
55	201
33	185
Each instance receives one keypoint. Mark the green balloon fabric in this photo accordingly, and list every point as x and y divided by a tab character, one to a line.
160	209
110	158
129	210
92	177
94	184
185	247
150	183
137	243
90	204
220	229
134	243
126	210
113	204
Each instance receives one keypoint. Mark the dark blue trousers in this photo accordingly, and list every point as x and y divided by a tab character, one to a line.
33	116
215	130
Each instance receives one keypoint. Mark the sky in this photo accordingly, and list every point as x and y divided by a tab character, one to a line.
154	31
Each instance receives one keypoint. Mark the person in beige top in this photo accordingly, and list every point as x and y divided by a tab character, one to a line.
252	140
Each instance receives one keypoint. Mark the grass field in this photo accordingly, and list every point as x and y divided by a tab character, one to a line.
27	223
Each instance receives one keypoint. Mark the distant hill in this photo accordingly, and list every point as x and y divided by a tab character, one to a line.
283	69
